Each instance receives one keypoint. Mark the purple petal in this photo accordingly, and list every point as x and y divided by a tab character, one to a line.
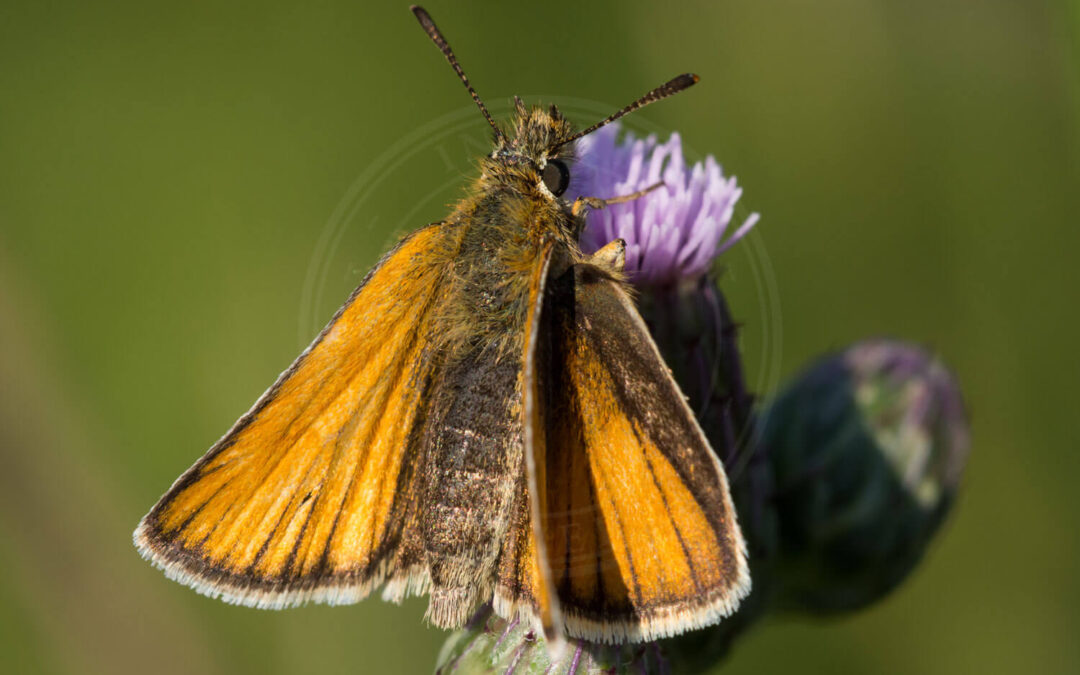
672	232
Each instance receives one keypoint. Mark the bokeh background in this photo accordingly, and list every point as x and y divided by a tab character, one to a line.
187	192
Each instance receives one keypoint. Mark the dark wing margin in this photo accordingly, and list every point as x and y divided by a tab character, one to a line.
302	499
641	534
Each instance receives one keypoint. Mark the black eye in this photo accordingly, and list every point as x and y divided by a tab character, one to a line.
556	177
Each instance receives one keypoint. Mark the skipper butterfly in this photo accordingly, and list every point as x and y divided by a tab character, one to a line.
486	419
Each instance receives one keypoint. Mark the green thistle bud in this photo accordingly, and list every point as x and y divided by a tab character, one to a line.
490	644
867	449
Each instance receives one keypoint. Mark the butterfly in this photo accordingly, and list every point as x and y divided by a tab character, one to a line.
485	420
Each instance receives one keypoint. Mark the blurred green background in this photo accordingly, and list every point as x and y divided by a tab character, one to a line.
188	191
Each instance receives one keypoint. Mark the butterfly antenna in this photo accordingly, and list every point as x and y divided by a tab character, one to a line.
437	37
663	91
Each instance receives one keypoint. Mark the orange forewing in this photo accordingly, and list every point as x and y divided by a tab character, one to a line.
297	502
640	530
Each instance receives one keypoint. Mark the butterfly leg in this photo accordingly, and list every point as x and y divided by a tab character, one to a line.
581	203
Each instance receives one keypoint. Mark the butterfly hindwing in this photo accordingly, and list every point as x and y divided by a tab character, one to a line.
640	531
304	498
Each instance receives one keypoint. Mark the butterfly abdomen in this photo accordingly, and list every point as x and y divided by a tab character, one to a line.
473	462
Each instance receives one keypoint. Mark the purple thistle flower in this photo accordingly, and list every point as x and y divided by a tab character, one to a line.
675	231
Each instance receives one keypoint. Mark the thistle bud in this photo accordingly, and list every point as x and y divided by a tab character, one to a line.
867	449
491	644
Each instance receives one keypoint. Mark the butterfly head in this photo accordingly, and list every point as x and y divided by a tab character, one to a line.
538	147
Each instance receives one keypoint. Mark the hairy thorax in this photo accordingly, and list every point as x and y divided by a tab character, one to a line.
498	239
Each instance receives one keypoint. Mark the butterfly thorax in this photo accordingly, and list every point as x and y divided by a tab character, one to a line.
500	229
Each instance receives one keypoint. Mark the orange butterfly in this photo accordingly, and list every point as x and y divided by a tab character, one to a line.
485	420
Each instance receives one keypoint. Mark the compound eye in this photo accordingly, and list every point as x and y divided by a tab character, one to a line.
556	177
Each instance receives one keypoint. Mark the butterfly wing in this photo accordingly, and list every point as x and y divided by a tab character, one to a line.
640	531
524	584
303	499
